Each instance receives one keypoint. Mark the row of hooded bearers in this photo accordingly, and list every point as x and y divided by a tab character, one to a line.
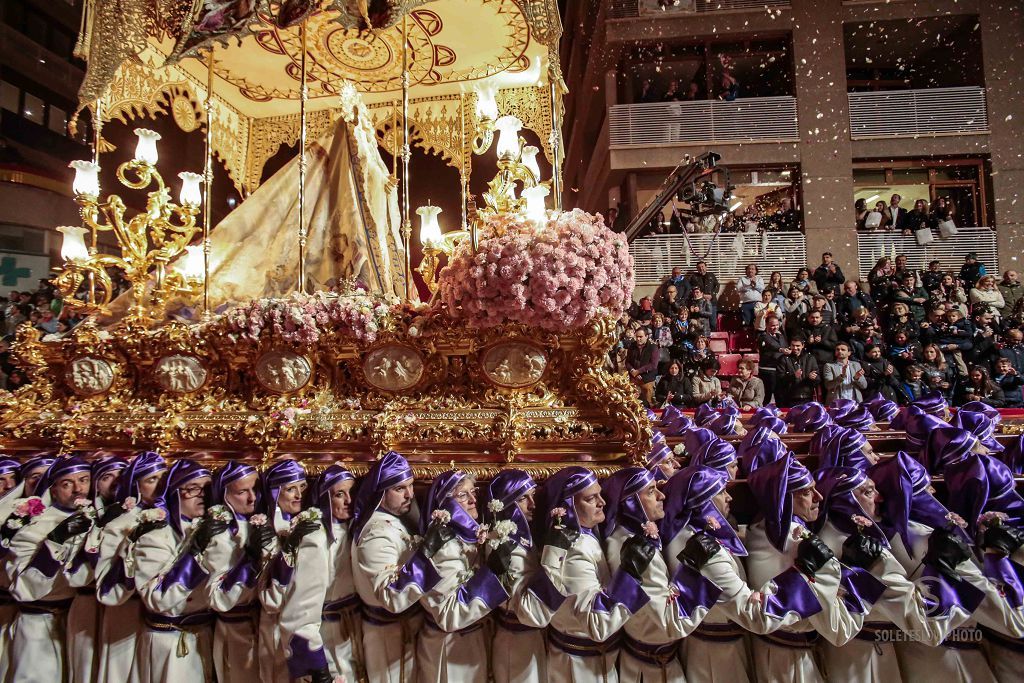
142	571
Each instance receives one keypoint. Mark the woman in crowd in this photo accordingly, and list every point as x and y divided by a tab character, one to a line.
745	389
803	282
979	387
749	286
671	388
766	308
986	293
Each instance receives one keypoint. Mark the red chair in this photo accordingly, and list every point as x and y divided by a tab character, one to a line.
718	345
741	341
728	364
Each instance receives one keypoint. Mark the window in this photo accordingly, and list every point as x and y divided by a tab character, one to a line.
960	181
10	97
33	109
58	120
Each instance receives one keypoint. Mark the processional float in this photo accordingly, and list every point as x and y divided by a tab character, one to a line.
505	363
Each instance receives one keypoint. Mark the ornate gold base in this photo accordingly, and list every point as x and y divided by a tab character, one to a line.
427	387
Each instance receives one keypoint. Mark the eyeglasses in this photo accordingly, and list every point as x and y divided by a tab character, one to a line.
191	491
463	496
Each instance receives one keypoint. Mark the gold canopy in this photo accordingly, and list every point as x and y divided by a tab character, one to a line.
144	59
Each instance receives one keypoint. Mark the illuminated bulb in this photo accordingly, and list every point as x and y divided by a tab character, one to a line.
529	160
191	265
190	195
145	150
508	136
486	102
430	231
536	211
87	178
73	247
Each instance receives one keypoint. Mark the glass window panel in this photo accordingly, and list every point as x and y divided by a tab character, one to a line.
58	120
33	109
9	96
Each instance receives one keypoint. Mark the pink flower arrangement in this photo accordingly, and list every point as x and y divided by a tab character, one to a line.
558	514
559	277
712	523
440	516
650	530
303	318
258	520
30	507
992	519
862	522
956	520
129	504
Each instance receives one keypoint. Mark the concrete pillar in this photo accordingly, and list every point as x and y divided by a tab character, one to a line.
1002	33
826	152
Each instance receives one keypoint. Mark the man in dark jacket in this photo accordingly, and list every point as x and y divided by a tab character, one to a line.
1011	289
828	275
971	270
708	284
931	279
798	376
851	301
642	363
1013	350
821	339
771	347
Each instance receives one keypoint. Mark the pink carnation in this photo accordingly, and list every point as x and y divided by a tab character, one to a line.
129	504
650	529
30	507
712	523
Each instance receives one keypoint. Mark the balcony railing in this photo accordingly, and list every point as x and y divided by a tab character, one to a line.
910	113
872	246
753	119
622	9
727	256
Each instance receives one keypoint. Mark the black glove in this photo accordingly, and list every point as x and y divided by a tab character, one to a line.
110	513
72	526
260	538
321	676
437	535
500	559
861	551
946	550
698	550
812	554
561	537
206	529
145	527
300	531
637	553
1003	539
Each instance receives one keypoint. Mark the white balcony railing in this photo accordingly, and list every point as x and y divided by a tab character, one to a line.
633	8
910	113
727	256
872	246
746	120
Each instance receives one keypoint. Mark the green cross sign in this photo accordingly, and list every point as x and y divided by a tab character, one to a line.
10	273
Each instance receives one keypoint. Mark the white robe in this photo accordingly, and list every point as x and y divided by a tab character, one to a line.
341	628
948	663
518	651
231	590
591	612
86	612
723	654
661	622
452	645
870	658
36	567
835	623
378	558
172	655
8	606
115	590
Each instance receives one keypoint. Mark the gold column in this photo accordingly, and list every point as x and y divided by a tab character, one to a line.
556	140
304	96
463	174
406	155
97	140
208	187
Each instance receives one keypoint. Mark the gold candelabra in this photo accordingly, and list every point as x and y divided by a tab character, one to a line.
149	241
435	245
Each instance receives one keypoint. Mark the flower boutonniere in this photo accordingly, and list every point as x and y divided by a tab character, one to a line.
258	520
651	530
955	520
311	514
501	532
711	523
495	506
861	522
558	514
440	517
85	506
219	513
129	504
153	515
992	519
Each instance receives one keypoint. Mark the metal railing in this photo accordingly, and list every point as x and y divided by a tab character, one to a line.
727	256
624	9
872	246
909	113
746	120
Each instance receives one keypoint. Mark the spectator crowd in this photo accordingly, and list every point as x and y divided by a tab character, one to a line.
824	336
44	309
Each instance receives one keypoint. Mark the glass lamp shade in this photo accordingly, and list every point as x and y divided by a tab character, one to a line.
145	150
508	136
191	194
430	231
536	211
486	102
191	265
73	247
87	178
529	160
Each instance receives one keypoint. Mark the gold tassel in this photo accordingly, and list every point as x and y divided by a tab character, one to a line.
85	31
182	650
